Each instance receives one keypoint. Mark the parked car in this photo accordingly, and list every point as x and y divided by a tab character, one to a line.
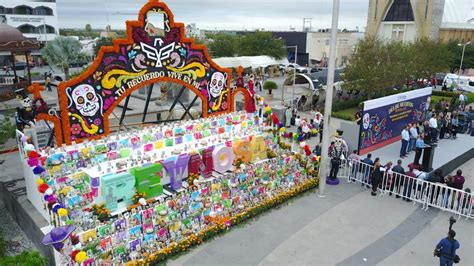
439	78
299	69
22	65
460	83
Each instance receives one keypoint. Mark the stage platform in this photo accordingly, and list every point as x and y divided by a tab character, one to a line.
449	154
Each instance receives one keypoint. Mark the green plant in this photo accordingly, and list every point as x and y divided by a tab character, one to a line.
445	93
346	114
26	258
342	105
470	98
270	85
7	128
2	245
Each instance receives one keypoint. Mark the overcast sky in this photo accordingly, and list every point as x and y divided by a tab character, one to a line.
218	14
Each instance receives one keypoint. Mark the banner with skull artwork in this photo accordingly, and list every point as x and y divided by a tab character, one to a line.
155	51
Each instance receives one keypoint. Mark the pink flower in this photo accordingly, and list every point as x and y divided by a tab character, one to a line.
97	121
76	129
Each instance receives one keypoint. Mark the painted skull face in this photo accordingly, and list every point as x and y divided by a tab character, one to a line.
217	84
26	102
86	100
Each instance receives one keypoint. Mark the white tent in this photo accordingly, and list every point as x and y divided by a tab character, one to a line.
249	61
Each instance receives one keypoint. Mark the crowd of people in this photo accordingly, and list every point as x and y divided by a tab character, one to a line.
401	181
305	129
443	123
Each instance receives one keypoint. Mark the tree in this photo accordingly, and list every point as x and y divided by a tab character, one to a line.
88	28
79	32
368	67
261	43
252	44
270	85
456	54
62	52
377	67
223	45
429	57
103	41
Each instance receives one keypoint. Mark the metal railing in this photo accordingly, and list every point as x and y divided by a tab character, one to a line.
416	190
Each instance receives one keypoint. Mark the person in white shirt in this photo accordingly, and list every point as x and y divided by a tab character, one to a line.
297	121
462	100
306	130
317	118
405	140
413	135
433	123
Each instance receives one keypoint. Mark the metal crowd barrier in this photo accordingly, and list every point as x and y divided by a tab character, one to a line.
417	190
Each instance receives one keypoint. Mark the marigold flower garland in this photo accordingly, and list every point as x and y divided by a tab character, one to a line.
220	226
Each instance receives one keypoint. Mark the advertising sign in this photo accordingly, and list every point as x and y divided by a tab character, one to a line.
383	119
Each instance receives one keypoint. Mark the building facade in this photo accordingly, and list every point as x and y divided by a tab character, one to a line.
408	20
458	21
35	19
404	20
318	44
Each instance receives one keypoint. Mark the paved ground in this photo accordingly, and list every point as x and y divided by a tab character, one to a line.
347	227
16	240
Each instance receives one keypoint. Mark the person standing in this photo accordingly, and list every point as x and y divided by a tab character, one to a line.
398	171
454	125
335	155
420	145
433	123
317	118
462	100
258	83
408	183
458	180
6	68
288	117
376	176
358	116
405	140
321	126
443	124
413	137
366	167
47	82
446	250
420	128
354	160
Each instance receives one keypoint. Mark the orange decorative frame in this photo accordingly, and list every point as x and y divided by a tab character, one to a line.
63	97
36	89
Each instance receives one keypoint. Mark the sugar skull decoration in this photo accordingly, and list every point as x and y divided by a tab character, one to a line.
216	89
86	100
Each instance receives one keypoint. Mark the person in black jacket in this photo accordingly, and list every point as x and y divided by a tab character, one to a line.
436	177
397	183
376	176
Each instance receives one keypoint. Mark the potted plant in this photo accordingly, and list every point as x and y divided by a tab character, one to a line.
270	85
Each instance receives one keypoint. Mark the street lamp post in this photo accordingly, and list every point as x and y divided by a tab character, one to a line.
44	28
328	103
294	76
462	58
